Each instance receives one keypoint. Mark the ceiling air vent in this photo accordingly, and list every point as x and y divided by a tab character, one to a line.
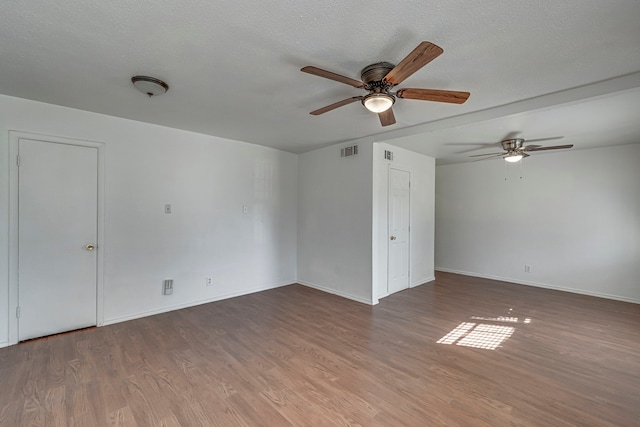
352	150
388	155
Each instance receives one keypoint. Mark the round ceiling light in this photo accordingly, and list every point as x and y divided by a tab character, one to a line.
512	158
378	102
149	85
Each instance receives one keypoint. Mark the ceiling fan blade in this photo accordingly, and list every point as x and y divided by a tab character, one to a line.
387	117
418	58
332	76
450	96
335	105
529	148
488	154
544	139
489	157
555	147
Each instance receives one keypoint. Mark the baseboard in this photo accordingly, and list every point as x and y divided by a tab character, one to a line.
191	304
411	285
540	285
4	344
338	293
422	281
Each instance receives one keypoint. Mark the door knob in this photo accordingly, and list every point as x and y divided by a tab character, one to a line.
393	237
90	248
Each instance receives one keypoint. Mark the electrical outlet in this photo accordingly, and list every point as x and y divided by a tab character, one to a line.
167	287
527	268
209	281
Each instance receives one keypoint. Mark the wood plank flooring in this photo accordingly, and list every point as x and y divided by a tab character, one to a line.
294	356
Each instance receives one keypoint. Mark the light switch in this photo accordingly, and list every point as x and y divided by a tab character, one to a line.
167	209
245	210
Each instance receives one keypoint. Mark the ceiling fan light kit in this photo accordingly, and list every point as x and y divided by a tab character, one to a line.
513	158
378	102
379	78
150	86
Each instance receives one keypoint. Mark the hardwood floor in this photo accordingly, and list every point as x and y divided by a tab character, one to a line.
294	356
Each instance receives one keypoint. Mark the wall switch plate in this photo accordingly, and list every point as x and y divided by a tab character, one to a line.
167	209
167	287
245	210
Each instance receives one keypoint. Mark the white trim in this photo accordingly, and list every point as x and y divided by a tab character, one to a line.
13	242
412	285
14	138
4	344
540	285
422	282
338	293
192	303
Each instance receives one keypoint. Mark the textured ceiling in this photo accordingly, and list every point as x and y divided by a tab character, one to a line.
233	67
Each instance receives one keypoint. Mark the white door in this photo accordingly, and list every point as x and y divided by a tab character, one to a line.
399	204
57	233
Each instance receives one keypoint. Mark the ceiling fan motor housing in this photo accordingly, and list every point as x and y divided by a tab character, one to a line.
513	144
379	98
374	73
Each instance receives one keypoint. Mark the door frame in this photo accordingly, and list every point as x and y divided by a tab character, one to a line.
14	140
407	170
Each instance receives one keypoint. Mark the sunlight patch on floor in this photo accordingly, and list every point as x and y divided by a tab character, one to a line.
460	331
481	335
508	319
486	336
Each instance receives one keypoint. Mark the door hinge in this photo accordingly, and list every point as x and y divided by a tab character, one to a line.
18	161
18	312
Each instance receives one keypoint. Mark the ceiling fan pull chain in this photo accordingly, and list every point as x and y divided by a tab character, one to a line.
521	166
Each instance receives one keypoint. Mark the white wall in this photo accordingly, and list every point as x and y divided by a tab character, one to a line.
574	217
206	179
422	215
334	221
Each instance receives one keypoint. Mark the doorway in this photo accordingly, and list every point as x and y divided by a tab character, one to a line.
55	241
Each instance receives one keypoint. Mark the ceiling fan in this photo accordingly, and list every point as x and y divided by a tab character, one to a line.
515	150
379	78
